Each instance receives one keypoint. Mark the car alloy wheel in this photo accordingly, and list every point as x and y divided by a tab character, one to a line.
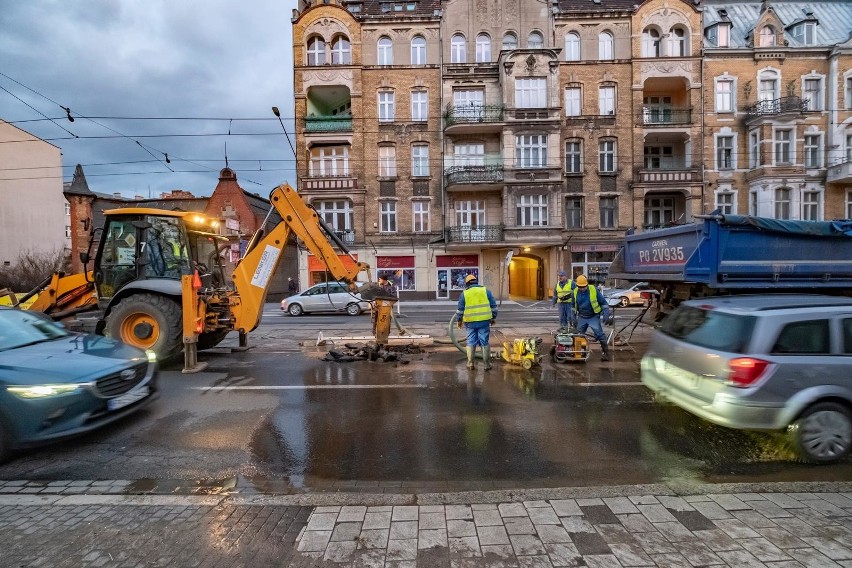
823	434
353	309
295	310
625	301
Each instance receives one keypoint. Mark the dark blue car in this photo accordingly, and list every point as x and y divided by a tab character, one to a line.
55	384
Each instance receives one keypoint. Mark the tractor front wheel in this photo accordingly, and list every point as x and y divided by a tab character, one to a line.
147	321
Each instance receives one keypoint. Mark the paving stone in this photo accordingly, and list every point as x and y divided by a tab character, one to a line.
525	544
837	499
458	512
590	502
346	531
552	534
564	554
654	543
519	525
431	509
696	498
811	557
693	520
602	561
730	503
618	506
753	519
749	497
512	510
403	530
432	538
674	531
636	523
405	513
829	547
314	541
432	521
373	538
380	509
785	564
377	520
566	507
492	535
736	529
740	559
675	503
717	539
369	559
797	527
487	518
401	564
543	516
812	517
404	549
460	528
781	538
340	551
698	553
712	510
577	525
784	500
656	513
670	560
351	514
615	533
769	509
327	510
763	550
484	507
535	504
501	551
590	543
631	555
643	500
599	514
540	561
466	546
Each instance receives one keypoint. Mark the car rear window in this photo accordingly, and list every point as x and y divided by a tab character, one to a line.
708	328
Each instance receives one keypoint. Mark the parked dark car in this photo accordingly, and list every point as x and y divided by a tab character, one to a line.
55	384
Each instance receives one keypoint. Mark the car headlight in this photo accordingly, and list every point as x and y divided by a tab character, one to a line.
152	357
42	391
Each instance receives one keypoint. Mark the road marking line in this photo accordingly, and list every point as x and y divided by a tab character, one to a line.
607	384
306	387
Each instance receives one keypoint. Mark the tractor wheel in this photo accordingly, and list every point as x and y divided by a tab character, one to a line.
527	364
211	339
148	321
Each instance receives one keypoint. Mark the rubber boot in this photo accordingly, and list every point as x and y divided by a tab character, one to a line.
604	351
470	364
486	355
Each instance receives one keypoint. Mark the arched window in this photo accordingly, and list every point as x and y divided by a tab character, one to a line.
535	40
572	46
605	46
483	48
767	36
418	50
316	51
385	51
677	42
768	85
458	49
650	43
510	41
341	51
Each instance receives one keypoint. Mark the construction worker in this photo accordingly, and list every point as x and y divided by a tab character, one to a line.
563	297
388	286
477	311
589	306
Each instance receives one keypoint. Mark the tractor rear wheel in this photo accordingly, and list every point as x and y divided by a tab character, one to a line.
211	339
148	321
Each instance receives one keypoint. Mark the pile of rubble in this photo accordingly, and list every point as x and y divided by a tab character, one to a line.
372	352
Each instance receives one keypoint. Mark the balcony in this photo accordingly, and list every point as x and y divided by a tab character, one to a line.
329	183
675	174
784	170
476	118
347	236
474	174
480	234
774	108
331	123
840	173
651	116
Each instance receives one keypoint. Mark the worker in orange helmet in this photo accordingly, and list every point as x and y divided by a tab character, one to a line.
477	311
589	306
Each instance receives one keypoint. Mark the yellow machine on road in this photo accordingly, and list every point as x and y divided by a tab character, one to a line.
157	281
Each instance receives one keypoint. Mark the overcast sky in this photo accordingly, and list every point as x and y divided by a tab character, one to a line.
155	60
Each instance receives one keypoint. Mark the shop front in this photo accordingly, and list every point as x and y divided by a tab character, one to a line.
593	260
399	270
317	272
451	272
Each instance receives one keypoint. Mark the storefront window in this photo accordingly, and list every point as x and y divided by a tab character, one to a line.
399	269
457	276
594	264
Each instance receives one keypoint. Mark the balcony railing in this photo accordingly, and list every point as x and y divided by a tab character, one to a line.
480	234
776	106
342	123
674	174
330	182
474	174
473	114
841	172
657	116
348	236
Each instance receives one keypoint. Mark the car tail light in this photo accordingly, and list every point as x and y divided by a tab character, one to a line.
745	371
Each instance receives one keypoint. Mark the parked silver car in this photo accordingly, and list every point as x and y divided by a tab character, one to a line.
761	363
325	297
639	293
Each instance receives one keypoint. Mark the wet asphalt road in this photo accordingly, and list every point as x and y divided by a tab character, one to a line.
282	414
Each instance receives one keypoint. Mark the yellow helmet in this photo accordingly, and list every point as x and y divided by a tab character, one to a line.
582	280
469	278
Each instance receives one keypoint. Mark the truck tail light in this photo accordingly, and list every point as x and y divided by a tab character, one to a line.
745	371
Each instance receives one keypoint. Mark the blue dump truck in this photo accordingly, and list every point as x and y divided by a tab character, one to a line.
733	254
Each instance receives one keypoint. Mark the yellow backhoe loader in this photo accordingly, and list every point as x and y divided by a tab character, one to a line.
157	280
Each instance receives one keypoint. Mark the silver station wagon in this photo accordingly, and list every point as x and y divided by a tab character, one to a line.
771	362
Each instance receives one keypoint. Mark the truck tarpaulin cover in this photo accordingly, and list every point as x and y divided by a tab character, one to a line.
814	228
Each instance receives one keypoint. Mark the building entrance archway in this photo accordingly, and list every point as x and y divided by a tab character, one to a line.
526	277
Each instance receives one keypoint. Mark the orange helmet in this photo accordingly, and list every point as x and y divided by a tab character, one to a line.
582	280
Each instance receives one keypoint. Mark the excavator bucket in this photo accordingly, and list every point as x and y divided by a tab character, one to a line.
372	291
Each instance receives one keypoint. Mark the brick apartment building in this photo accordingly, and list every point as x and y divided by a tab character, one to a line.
439	136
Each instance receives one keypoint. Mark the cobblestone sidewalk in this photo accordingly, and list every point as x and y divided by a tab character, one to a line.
659	528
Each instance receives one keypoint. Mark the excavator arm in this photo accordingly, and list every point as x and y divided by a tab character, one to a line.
252	275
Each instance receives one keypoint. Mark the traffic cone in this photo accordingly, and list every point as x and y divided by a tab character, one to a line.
196	281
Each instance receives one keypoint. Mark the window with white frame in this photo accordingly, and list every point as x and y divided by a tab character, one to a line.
805	33
606	155
811	205
848	148
384	53
848	93
418	50
574	212
470	213
608	211
723	35
606	99
67	208
726	202
469	154
387	222
341	51
535	40
572	46
531	151
420	216
387	161
483	48
724	95
420	160
573	157
659	157
813	150
782	203
677	42
67	231
337	214
510	41
725	153
530	92
767	87
752	203
458	49
329	161
387	108
849	203
754	149
650	42
659	211
784	146
767	36
532	210
316	51
657	110
468	104
573	101
812	91
419	106
605	46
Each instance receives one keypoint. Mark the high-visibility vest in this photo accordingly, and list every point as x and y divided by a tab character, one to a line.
563	292
593	298
476	304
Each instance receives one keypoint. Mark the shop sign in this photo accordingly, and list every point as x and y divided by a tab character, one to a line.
232	224
457	260
317	265
394	261
595	248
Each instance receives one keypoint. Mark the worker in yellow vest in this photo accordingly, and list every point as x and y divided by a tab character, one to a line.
477	312
563	297
590	306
